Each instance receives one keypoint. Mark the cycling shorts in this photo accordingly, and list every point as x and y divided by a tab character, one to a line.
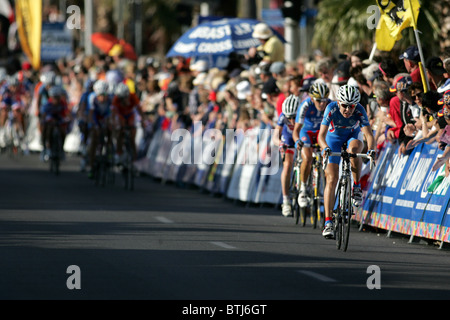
308	137
335	142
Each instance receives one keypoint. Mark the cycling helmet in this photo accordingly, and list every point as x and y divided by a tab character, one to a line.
122	91
349	95
101	87
48	78
319	90
290	106
13	80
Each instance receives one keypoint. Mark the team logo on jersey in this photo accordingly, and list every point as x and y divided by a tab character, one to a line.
332	128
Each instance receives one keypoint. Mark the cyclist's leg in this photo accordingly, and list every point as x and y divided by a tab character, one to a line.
356	145
285	180
332	177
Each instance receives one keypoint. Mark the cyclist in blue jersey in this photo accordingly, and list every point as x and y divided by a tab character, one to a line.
307	126
99	116
285	127
345	120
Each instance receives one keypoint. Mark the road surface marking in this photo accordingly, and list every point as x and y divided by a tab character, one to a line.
317	276
222	245
164	220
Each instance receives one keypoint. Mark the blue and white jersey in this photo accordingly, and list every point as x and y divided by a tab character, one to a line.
309	116
340	125
101	110
287	130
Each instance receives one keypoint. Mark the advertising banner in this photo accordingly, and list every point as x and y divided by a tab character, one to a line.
56	42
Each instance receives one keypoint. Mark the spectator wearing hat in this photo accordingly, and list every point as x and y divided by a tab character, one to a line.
278	70
411	59
400	110
271	48
436	72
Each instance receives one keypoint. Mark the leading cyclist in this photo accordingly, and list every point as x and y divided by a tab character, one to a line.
345	120
307	125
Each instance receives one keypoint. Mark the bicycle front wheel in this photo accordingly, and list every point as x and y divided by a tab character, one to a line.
347	216
338	226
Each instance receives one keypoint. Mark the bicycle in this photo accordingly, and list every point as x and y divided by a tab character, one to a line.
11	135
104	160
316	181
343	208
128	170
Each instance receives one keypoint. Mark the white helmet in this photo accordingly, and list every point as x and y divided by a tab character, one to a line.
122	90
349	94
48	78
290	106
101	87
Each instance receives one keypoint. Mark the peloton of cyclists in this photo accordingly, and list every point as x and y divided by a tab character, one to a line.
345	120
285	127
307	125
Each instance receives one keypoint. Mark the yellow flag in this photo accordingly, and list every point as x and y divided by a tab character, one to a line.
29	27
395	17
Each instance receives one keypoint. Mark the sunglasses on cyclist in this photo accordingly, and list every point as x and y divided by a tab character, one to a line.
347	106
321	100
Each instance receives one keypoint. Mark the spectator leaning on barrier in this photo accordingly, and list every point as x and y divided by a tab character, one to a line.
444	138
429	127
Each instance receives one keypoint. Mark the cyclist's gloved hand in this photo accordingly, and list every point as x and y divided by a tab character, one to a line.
372	154
326	152
298	144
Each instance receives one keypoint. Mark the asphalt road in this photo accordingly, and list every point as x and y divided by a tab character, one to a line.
162	242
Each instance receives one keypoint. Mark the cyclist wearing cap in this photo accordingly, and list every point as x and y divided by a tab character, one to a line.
124	108
99	116
307	125
54	113
345	120
285	127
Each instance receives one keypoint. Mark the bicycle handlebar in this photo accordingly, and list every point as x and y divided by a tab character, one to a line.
351	155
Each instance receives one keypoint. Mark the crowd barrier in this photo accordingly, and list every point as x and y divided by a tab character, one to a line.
405	196
235	173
